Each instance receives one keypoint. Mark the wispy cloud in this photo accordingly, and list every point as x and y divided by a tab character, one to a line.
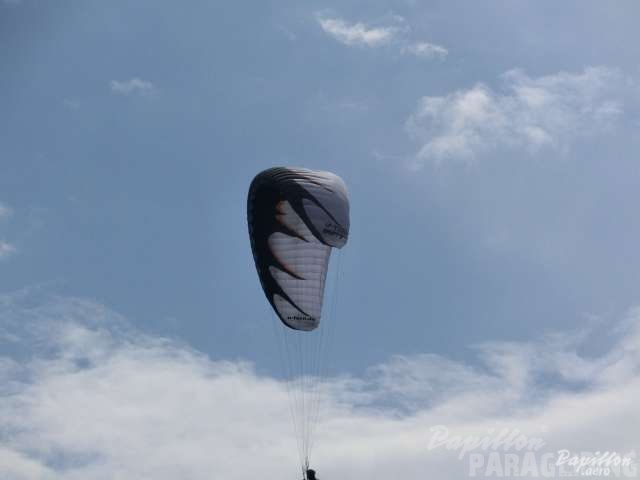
529	113
81	398
425	50
71	104
132	86
396	32
5	211
357	33
6	249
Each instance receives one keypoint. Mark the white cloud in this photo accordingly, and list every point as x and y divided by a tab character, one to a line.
71	104
398	34
5	211
83	396
6	249
527	113
425	50
357	33
132	86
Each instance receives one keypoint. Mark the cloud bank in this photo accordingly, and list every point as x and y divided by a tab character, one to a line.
527	113
85	396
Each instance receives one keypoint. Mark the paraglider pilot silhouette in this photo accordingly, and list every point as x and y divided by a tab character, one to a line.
310	475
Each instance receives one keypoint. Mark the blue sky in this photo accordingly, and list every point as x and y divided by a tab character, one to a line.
490	150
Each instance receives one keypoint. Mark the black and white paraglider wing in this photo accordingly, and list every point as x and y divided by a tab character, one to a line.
295	217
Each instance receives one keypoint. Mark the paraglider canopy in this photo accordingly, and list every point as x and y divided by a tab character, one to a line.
295	217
